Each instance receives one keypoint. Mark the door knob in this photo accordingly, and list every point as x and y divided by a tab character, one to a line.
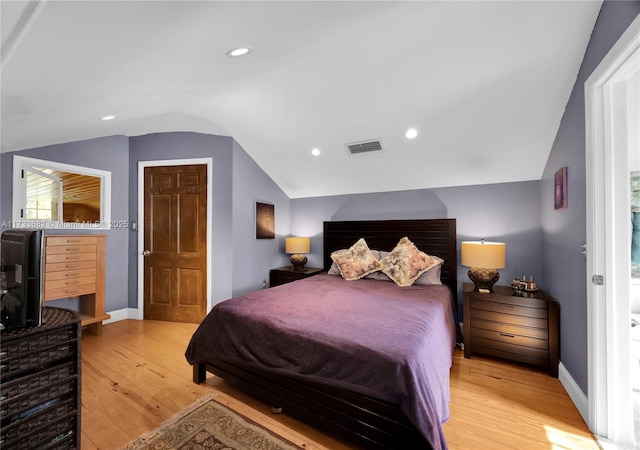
146	252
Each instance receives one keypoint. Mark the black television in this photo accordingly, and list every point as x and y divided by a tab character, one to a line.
21	278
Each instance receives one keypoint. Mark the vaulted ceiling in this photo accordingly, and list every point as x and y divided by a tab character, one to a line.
484	84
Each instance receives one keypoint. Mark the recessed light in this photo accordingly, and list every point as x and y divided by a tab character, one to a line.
107	117
238	51
411	133
315	152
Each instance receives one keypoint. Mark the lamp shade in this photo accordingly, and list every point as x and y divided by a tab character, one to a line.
481	254
294	245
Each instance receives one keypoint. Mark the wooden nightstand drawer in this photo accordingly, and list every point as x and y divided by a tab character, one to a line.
479	314
286	274
523	302
514	353
509	308
287	277
501	327
480	334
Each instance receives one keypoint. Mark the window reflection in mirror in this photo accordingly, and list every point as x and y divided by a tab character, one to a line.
80	196
51	195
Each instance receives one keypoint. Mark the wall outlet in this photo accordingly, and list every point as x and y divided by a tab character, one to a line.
264	284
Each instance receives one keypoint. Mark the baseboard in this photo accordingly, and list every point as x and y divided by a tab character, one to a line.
575	393
123	314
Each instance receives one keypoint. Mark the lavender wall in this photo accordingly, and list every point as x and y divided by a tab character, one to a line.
254	257
111	154
508	212
564	231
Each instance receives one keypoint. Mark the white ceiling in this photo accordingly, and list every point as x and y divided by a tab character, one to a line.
484	83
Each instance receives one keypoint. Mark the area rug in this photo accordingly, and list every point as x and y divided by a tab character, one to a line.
207	424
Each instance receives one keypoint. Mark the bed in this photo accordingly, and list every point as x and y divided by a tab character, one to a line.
379	375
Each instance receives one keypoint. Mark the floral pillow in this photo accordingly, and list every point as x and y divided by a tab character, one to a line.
356	262
405	263
335	270
431	276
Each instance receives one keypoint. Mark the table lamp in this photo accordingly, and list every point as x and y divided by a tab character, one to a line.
483	258
296	246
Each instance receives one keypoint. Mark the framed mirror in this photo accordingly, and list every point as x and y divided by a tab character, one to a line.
48	195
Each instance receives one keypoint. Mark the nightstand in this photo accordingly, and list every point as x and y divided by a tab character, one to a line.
286	274
522	329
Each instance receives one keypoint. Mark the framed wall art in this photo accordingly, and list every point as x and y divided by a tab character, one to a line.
560	189
265	221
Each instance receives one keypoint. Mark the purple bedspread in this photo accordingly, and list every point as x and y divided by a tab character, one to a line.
369	336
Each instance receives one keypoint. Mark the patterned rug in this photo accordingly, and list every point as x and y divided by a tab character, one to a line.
209	425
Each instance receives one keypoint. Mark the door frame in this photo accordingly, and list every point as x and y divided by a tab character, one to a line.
141	237
610	411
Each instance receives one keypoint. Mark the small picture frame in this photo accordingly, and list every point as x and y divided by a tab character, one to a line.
560	189
265	221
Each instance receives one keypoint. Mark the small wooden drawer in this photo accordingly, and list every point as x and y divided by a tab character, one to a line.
512	300
512	347
479	314
66	257
68	274
285	277
69	291
58	249
64	266
286	274
515	353
508	338
71	281
71	240
509	308
501	327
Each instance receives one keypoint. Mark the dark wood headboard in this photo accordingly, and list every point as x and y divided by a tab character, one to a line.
433	236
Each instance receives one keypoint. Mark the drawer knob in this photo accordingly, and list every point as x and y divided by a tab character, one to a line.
507	335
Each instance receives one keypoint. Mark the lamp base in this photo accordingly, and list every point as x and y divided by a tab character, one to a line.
483	278
298	261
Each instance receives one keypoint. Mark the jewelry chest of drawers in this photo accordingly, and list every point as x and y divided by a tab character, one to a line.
74	266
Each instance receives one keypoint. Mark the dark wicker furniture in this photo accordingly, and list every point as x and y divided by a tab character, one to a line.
40	388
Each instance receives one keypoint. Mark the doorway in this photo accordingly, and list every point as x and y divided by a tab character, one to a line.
174	242
610	138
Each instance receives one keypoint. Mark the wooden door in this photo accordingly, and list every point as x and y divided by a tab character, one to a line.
175	247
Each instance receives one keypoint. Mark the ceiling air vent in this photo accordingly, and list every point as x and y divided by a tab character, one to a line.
357	148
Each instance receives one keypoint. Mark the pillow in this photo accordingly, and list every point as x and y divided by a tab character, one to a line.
431	276
335	270
379	275
356	262
405	263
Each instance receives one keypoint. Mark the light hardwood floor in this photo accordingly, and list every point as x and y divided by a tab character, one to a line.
135	376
